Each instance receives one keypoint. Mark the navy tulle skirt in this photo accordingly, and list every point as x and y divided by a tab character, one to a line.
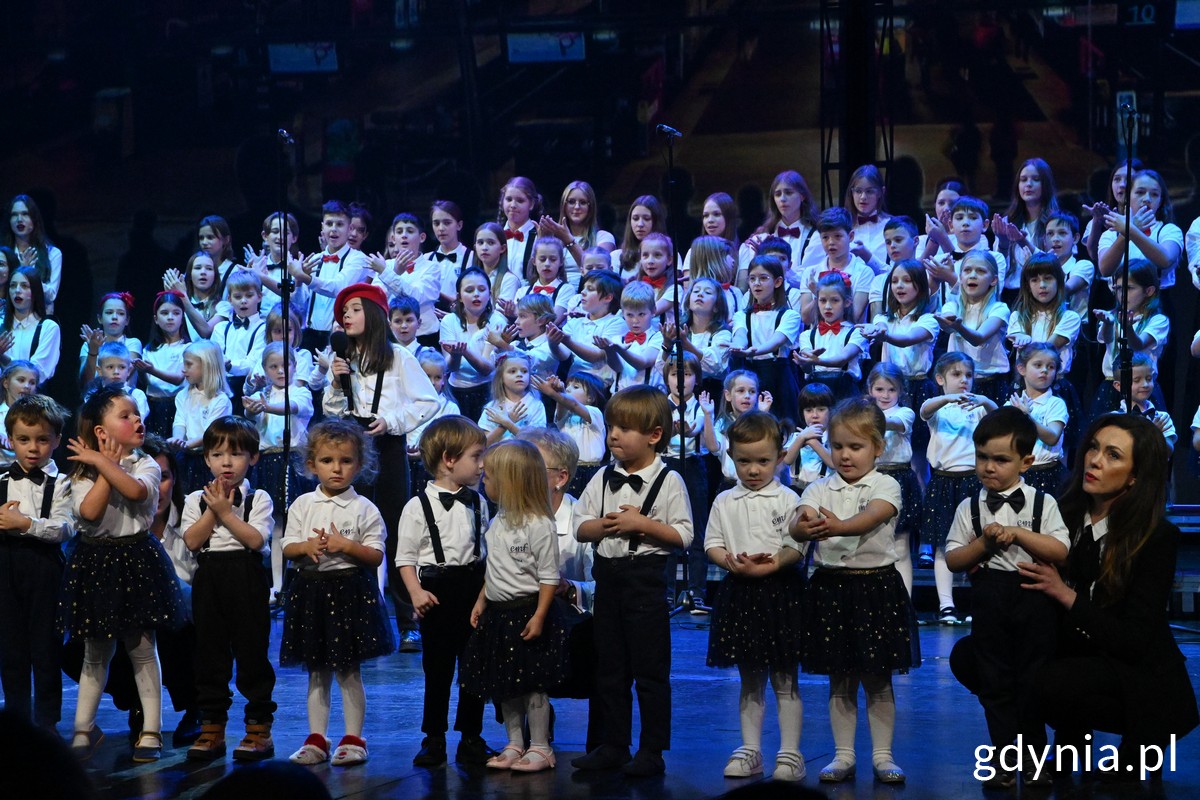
499	665
757	622
859	620
334	620
116	585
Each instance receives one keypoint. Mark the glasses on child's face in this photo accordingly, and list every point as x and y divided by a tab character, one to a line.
864	191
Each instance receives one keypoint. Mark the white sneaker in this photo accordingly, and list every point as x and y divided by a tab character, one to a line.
789	766
744	763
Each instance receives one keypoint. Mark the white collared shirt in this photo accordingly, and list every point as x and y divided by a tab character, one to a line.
521	558
560	297
166	358
535	413
1085	270
456	529
445	407
515	251
914	360
876	548
694	419
763	328
222	539
574	557
538	350
354	516
242	346
407	398
122	516
330	278
950	444
270	426
453	330
745	521
991	357
583	330
49	344
1159	232
195	411
630	375
1044	410
1043	328
423	284
671	507
962	531
55	528
897	445
588	436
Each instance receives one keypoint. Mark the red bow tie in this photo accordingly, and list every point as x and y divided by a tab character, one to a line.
657	283
789	233
410	268
726	286
509	233
331	259
868	220
640	338
540	289
844	276
1147	231
824	327
763	307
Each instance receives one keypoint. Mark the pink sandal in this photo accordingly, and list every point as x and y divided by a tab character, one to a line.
506	758
535	759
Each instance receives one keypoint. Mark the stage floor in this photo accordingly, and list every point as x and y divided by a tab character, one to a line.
938	727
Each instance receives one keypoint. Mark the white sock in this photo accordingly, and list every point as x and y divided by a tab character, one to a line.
904	561
752	706
277	558
97	654
513	713
843	714
537	706
320	681
790	709
354	701
881	718
147	676
943	578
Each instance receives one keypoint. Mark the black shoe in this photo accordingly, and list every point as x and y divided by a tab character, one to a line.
646	764
1032	779
432	752
606	756
188	730
473	750
1002	781
137	720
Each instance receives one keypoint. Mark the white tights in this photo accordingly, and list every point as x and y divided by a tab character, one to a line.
354	700
97	654
943	579
904	561
535	706
881	715
752	707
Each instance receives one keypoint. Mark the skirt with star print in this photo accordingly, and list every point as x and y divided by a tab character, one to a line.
334	620
756	622
858	621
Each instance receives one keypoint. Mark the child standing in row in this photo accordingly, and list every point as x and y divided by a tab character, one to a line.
951	417
976	321
335	618
440	558
515	403
206	398
885	385
518	649
636	512
162	362
756	620
765	336
1038	366
859	622
114	494
35	517
228	525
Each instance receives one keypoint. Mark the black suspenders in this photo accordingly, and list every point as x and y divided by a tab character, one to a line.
47	493
647	504
435	536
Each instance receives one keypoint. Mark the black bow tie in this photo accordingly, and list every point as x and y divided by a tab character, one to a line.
464	495
15	473
241	322
616	480
451	257
958	256
995	501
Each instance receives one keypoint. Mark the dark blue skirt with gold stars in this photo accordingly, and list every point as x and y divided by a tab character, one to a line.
334	620
859	621
114	585
499	665
756	622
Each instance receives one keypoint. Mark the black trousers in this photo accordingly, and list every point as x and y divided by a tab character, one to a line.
233	624
30	578
633	639
445	629
1013	636
695	478
389	493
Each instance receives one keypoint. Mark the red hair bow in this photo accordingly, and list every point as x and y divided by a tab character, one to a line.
844	276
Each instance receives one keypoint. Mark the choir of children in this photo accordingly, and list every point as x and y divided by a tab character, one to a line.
804	484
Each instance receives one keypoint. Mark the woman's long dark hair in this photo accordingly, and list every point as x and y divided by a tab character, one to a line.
1134	515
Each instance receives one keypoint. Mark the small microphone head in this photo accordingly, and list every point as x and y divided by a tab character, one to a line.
340	343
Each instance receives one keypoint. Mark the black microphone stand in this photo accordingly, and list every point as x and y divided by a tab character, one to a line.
286	285
1120	336
677	309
